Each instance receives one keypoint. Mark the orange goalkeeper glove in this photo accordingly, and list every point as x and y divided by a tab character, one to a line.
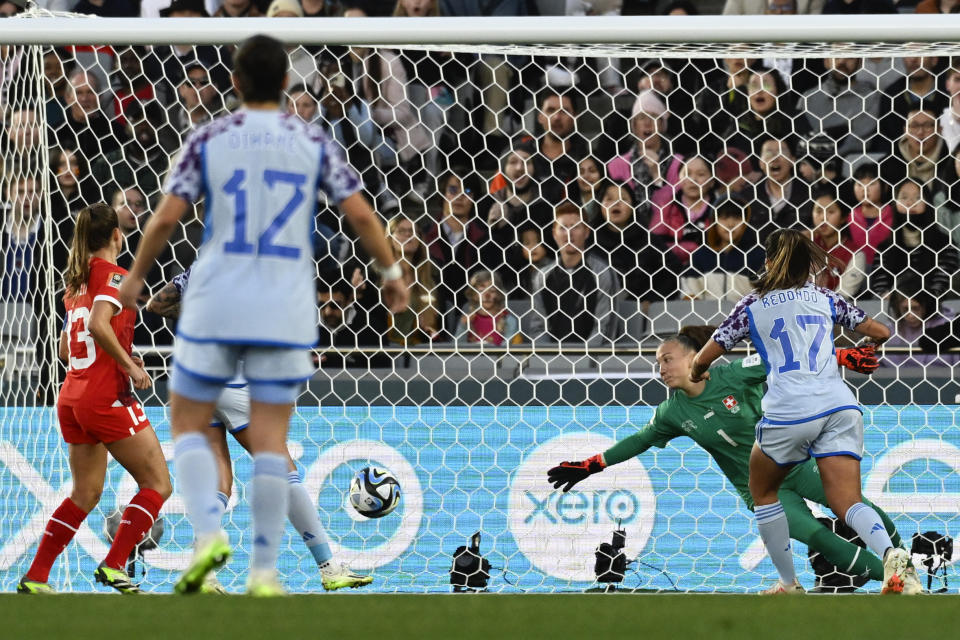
570	473
860	359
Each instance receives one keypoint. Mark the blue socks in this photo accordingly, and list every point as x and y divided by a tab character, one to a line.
775	533
305	519
269	500
196	474
865	521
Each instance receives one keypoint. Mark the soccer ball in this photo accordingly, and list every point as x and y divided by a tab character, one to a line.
374	492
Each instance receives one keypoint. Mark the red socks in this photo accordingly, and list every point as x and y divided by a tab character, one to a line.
61	527
136	521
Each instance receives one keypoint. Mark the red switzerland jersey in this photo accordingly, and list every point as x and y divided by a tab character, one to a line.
94	379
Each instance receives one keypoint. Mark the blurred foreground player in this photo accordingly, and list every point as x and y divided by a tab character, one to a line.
251	298
97	409
233	414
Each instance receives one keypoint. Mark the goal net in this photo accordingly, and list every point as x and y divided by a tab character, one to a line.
559	207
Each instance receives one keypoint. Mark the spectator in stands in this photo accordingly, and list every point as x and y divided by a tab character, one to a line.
130	205
623	240
589	178
486	319
200	102
732	256
458	243
559	148
519	200
686	126
172	60
917	153
936	6
144	156
680	215
19	234
844	108
649	164
24	141
108	8
420	322
946	201
776	7
54	89
950	118
917	246
87	128
130	84
74	189
723	99
574	294
916	313
302	103
535	256
238	9
735	174
346	322
770	112
819	166
859	6
916	90
781	200
847	271
871	221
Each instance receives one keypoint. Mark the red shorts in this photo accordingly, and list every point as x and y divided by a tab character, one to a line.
92	425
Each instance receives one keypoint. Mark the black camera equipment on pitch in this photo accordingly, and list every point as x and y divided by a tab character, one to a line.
611	564
937	550
470	570
831	579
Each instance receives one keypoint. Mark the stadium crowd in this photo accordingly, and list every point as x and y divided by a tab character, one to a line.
563	186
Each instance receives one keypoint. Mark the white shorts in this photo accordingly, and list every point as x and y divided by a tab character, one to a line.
835	434
233	409
216	362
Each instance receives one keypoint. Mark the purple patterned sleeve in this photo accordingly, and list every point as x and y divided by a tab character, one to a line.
340	181
180	281
737	325
844	313
186	174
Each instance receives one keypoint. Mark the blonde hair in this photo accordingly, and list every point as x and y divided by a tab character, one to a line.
481	280
94	230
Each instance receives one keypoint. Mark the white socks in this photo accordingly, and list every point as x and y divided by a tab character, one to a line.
305	519
196	474
269	500
865	521
775	533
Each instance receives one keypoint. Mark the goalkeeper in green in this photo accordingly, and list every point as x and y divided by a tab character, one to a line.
720	415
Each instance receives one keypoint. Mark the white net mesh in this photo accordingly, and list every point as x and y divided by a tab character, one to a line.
658	178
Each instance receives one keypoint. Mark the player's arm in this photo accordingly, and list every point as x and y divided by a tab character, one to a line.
373	238
102	333
704	358
656	434
64	351
876	331
165	302
155	238
731	331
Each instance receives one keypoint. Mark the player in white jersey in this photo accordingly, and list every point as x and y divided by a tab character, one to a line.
808	409
232	414
251	297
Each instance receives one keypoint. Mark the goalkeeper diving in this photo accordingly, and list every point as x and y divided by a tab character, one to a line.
720	415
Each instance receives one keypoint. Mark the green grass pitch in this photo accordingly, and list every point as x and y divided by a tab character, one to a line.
488	616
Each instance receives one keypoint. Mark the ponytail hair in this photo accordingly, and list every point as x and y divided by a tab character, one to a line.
693	337
95	225
792	259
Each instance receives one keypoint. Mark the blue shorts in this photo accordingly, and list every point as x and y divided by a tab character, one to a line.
835	434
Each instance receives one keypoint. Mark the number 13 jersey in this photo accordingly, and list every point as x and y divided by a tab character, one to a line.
792	331
94	379
259	173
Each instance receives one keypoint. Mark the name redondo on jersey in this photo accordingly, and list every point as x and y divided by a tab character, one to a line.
265	140
791	295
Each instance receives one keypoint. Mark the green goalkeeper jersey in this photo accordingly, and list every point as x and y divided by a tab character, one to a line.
722	420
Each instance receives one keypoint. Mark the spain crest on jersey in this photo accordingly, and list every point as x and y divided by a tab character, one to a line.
731	404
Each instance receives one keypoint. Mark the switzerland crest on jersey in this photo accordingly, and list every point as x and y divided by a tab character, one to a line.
731	403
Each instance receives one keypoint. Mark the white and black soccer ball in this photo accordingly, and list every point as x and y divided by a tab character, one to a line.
374	492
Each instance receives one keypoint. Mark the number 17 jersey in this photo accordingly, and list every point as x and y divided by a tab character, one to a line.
792	331
259	173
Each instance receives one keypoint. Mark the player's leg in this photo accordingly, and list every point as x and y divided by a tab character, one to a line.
88	467
844	555
303	515
766	476
838	450
270	411
140	454
199	375
217	438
